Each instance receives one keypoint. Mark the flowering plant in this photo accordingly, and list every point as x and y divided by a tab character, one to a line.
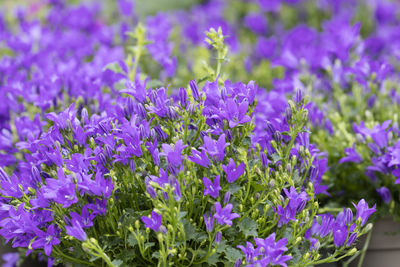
102	166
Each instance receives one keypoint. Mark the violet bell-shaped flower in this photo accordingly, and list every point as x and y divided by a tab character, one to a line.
153	222
363	211
212	188
224	215
233	172
215	149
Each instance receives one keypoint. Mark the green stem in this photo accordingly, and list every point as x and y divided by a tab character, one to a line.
364	250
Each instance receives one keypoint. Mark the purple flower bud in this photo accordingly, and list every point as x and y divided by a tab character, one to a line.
153	96
238	263
36	174
84	115
3	175
191	108
288	114
264	159
270	127
218	237
151	191
299	96
228	135
183	97
171	113
224	93
103	127
163	229
227	197
161	135
103	159
153	134
130	106
108	151
348	216
209	222
351	239
141	110
278	137
142	131
195	90
132	165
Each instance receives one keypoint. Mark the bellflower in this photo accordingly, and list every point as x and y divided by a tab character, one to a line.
215	148
200	158
153	222
384	193
211	188
363	211
232	171
76	230
47	240
224	215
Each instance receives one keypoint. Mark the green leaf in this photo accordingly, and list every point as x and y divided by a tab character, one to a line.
132	241
222	246
213	260
117	263
232	254
115	67
248	227
190	231
233	188
148	245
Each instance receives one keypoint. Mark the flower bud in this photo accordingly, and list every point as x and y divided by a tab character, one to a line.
277	137
299	96
183	97
348	216
218	237
195	90
352	251
270	127
289	115
227	197
351	239
36	174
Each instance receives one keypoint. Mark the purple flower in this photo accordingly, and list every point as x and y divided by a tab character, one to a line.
224	215
296	201
200	158
85	218
211	188
209	221
153	222
233	172
173	155
10	259
215	148
125	7
76	230
363	211
384	193
47	240
285	215
256	22
235	113
351	156
339	233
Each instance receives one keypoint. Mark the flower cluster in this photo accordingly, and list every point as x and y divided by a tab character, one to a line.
137	144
